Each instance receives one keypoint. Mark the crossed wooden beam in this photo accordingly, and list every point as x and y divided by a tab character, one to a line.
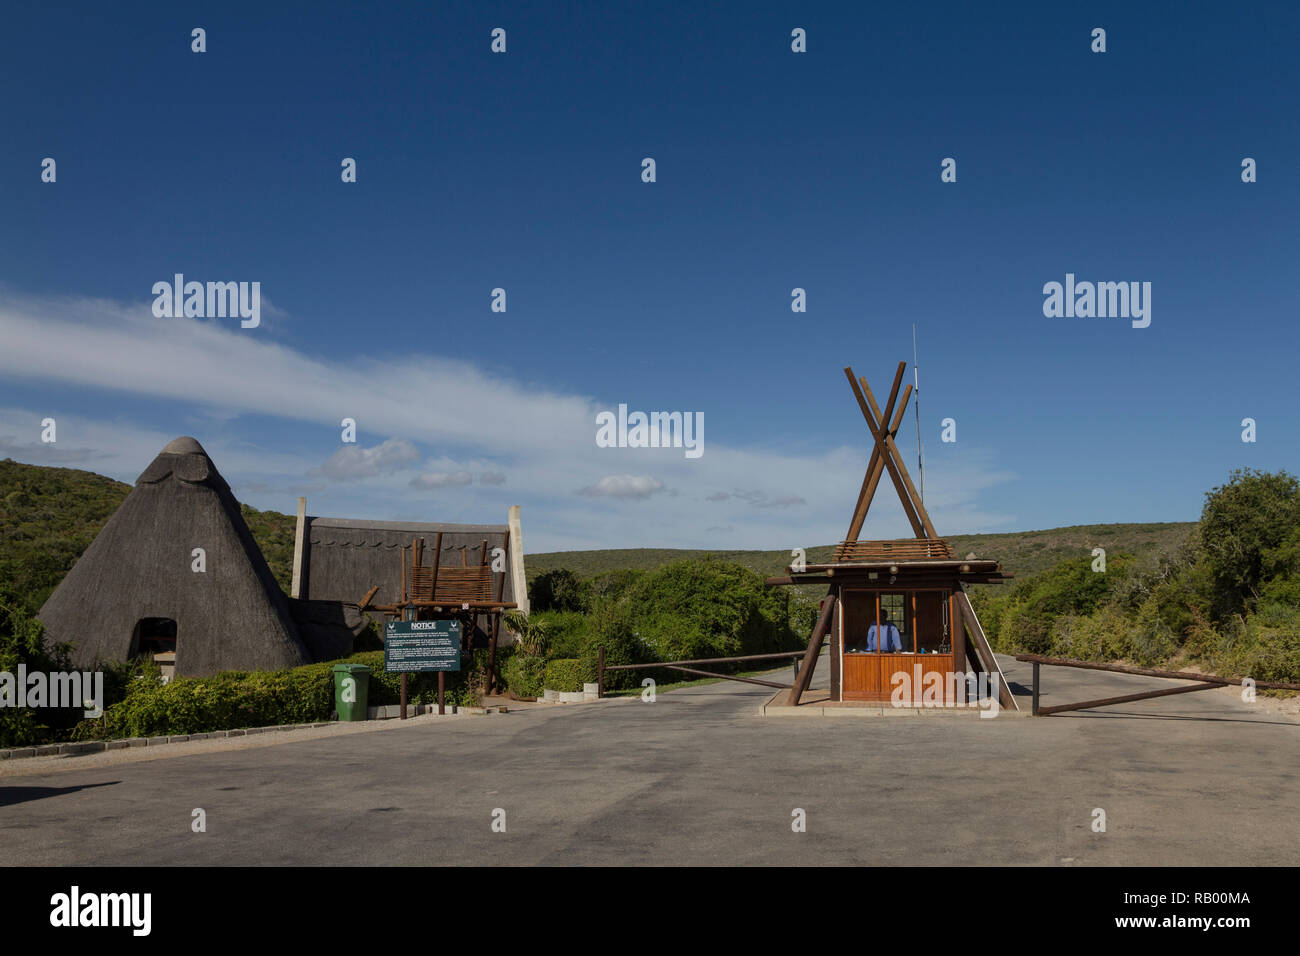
886	457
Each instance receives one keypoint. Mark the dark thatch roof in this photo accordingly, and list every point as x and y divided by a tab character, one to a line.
233	616
344	558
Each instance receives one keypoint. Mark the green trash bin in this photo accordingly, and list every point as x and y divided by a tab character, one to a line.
351	690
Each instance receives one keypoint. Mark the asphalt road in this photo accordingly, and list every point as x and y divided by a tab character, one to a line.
698	778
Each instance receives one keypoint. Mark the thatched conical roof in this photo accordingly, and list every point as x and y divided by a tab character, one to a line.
232	616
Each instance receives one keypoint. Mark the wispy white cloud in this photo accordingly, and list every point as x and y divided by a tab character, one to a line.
442	479
623	486
758	499
212	380
353	462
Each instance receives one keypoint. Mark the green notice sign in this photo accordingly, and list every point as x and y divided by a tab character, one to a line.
421	646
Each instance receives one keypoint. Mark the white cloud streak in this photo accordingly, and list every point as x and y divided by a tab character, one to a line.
575	494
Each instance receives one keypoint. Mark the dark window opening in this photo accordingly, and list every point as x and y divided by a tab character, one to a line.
154	635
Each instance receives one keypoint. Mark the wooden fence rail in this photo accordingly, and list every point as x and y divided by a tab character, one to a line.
601	667
1204	682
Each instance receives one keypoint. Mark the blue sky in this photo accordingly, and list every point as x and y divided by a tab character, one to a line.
775	170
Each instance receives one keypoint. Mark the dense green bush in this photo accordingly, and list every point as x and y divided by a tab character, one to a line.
236	699
558	590
1248	526
525	675
226	701
564	674
613	628
709	608
1267	648
1229	600
566	632
1022	620
612	585
22	641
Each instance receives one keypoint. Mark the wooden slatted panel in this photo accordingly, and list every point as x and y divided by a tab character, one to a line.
907	549
454	584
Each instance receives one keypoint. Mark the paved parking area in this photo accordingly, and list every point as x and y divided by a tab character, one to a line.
699	778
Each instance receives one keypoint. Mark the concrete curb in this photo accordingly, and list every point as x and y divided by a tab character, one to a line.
76	748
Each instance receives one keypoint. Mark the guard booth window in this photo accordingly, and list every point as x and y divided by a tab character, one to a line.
893	610
862	609
933	634
922	619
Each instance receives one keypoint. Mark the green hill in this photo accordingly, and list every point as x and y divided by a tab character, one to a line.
49	516
1024	553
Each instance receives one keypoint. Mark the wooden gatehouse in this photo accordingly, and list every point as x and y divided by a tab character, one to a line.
896	607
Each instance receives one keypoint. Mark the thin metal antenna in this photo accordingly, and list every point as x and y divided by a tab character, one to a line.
916	381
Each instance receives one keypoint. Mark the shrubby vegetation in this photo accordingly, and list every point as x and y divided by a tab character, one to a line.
698	608
1228	600
558	590
48	517
564	674
22	642
237	699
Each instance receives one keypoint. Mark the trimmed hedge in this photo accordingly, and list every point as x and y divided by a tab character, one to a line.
525	674
234	699
564	674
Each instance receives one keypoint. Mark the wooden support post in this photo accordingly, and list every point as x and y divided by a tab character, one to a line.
984	652
365	601
442	691
403	696
496	617
600	671
956	634
1036	677
437	559
814	648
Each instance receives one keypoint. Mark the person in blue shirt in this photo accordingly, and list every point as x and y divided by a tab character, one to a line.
893	641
